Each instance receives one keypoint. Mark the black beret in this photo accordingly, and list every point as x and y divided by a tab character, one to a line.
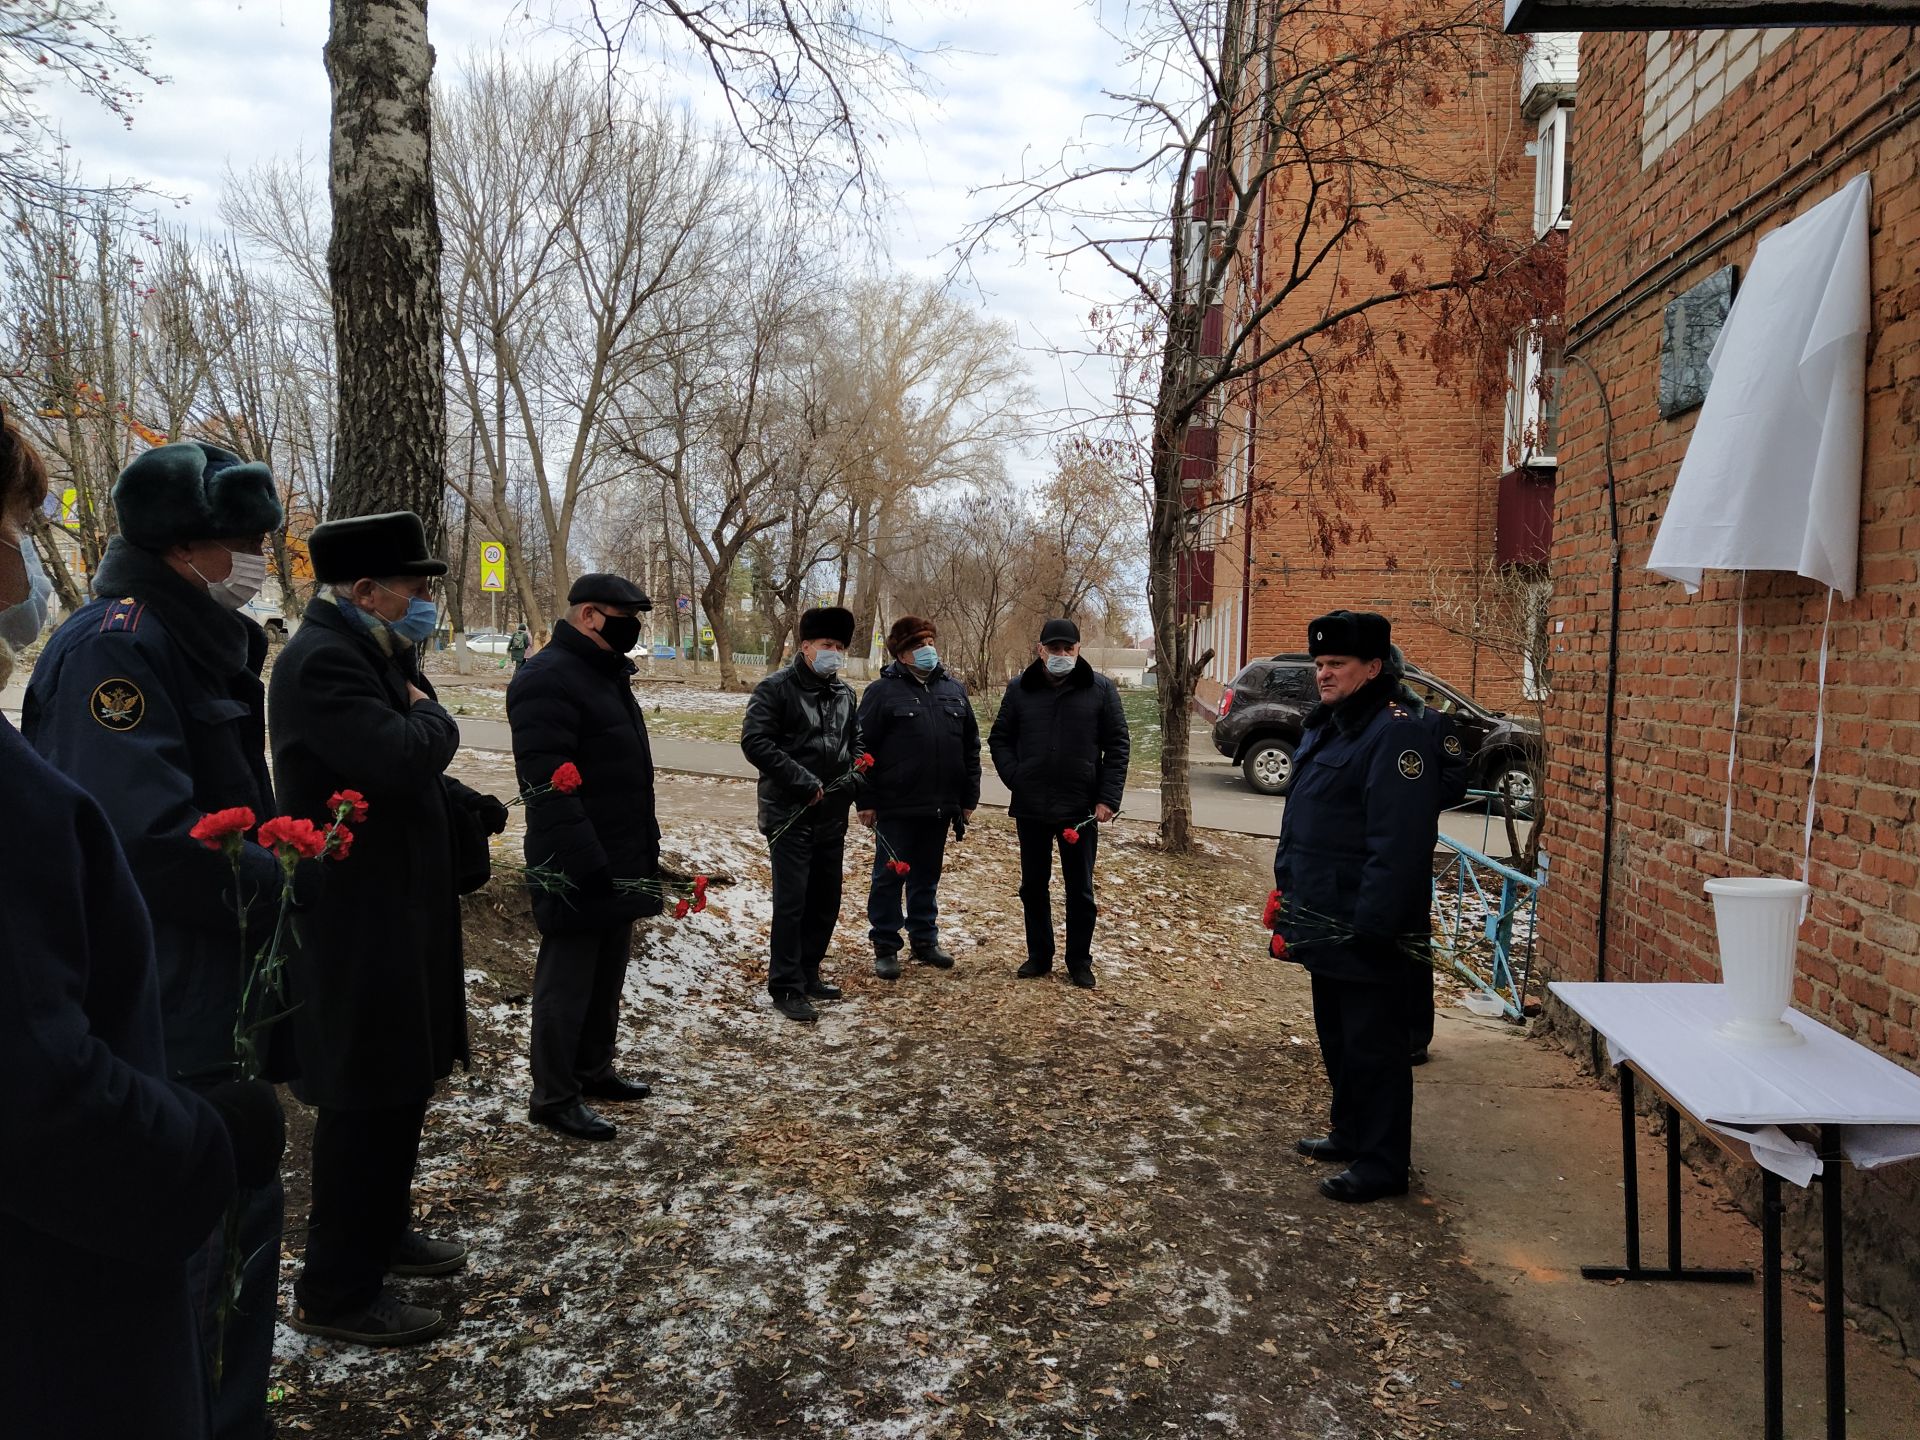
602	588
371	546
1359	633
827	622
194	491
1056	631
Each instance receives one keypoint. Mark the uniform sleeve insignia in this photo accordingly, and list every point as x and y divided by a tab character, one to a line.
1451	745
1412	767
118	705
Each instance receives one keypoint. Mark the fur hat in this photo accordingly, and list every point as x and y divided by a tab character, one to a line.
827	622
1362	634
906	630
371	547
191	490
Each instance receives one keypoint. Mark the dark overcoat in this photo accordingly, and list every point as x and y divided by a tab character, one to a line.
573	702
802	734
1354	865
925	743
1061	749
150	698
376	979
114	1176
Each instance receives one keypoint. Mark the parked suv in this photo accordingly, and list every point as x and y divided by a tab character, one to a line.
1262	712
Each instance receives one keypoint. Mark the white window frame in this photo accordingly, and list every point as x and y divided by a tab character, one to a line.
1526	407
1550	210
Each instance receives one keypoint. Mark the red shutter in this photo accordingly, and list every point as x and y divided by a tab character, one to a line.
1523	533
1196	581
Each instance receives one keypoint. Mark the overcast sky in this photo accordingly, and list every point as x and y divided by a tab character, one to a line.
1012	77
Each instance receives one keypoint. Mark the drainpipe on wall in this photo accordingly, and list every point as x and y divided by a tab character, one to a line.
1253	438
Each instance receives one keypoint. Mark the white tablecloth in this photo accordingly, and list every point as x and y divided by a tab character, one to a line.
1669	1033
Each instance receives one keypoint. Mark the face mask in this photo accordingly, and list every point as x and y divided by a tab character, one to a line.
20	625
1061	664
420	621
827	663
621	632
925	658
243	582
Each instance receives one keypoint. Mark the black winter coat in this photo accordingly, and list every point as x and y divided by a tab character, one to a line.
376	978
802	734
150	699
1354	865
114	1176
925	743
1061	749
574	702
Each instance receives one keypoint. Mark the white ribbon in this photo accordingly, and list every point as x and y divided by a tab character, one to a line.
1733	738
1819	736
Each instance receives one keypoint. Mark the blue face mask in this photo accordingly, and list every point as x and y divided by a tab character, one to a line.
20	625
827	663
1061	664
925	658
420	621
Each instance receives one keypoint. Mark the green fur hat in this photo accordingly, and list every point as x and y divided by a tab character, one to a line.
194	491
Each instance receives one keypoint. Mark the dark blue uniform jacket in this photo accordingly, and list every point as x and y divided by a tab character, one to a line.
1355	861
925	743
149	697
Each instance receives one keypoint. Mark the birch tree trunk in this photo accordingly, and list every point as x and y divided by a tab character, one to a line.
383	261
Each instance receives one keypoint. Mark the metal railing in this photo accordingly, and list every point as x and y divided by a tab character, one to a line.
1485	916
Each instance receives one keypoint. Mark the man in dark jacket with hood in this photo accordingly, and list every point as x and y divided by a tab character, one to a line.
149	697
573	704
1060	745
376	977
1354	872
802	734
919	726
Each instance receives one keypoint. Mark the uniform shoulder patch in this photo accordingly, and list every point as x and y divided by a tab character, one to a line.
1451	745
118	705
123	616
1412	764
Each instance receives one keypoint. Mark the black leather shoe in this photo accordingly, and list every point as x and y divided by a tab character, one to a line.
386	1321
1035	969
886	964
1321	1148
1419	1057
417	1255
823	990
934	956
575	1118
1082	977
1350	1189
612	1087
794	1006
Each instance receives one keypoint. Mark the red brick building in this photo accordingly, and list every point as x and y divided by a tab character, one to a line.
1472	485
1691	148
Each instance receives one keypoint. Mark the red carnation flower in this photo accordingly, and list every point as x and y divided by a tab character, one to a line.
291	835
566	779
864	763
348	805
1277	947
899	867
680	910
1070	835
223	829
699	893
1272	911
340	843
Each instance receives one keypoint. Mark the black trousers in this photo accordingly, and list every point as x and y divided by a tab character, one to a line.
240	1404
922	843
1038	841
577	983
362	1186
1420	983
1363	1041
806	903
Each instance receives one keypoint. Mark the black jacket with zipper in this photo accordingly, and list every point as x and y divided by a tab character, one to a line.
802	734
925	743
1061	748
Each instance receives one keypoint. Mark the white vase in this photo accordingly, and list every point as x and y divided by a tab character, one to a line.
1758	920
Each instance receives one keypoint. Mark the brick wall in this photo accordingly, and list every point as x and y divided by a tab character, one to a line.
1648	197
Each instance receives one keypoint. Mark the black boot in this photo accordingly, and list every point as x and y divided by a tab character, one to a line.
1035	969
793	1005
818	989
933	955
886	964
1081	976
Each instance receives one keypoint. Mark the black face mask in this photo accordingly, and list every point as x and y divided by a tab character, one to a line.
622	632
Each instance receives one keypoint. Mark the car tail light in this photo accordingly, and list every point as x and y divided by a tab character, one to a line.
1226	702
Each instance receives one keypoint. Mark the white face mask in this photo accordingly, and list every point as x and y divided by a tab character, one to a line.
20	625
243	582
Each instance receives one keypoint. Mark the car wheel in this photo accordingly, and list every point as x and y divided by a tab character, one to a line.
1268	766
1513	783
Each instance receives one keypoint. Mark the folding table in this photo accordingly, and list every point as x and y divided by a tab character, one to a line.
1798	1111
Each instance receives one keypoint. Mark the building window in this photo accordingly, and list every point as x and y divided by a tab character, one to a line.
1535	682
1535	374
1553	170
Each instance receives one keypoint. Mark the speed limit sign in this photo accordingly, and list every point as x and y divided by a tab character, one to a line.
493	566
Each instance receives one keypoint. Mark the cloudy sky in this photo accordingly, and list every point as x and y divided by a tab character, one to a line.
1007	83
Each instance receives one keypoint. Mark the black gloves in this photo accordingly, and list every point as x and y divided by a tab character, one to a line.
255	1127
491	814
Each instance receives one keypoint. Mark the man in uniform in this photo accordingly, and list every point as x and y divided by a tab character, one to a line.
919	726
1354	876
573	703
1060	744
150	698
379	988
802	734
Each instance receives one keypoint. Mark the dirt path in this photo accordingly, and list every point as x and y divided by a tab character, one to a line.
961	1205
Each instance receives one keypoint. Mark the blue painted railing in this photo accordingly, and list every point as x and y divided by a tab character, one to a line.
1476	923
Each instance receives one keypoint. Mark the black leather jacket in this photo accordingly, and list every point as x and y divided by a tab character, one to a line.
802	734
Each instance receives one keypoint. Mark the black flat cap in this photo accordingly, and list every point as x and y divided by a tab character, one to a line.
1056	632
370	547
1362	634
601	588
